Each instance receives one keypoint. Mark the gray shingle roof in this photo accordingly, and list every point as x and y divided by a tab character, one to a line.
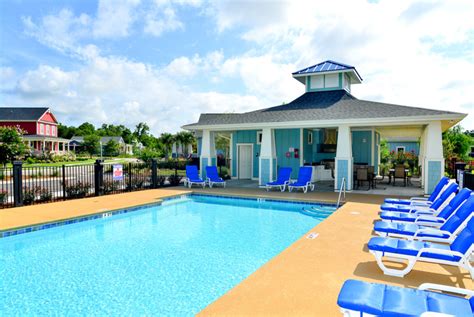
21	113
324	105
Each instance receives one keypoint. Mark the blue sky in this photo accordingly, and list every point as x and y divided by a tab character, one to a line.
165	62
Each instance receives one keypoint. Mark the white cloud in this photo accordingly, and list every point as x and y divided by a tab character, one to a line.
397	46
61	31
117	90
162	20
114	18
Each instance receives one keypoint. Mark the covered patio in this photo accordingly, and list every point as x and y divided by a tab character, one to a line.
328	129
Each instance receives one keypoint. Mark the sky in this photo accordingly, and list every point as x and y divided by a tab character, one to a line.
166	62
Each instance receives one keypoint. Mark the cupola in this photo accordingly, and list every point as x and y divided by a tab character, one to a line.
328	75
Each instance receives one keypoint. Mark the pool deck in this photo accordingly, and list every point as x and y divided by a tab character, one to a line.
303	280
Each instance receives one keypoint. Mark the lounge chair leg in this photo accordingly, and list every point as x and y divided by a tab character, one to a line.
393	272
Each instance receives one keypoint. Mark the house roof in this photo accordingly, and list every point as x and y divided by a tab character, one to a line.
22	113
328	67
317	106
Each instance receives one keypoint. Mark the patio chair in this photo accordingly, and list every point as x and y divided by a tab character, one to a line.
304	180
427	216
439	202
400	173
192	177
283	179
362	175
358	298
446	233
457	253
437	191
213	176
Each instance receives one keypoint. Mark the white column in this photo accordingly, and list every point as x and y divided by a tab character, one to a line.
208	151
433	156
421	157
267	158
344	160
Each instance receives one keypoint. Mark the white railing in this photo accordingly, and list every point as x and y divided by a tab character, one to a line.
342	190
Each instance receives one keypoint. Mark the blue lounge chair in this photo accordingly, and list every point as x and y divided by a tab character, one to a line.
438	204
427	217
192	177
283	179
213	176
422	200
304	180
446	233
358	298
457	253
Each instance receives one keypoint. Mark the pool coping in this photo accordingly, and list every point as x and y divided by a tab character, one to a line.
119	211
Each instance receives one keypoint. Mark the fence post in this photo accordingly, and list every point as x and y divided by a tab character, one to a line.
64	180
154	173
17	183
98	177
129	176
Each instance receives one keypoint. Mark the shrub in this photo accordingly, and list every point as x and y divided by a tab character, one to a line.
3	196
110	186
44	195
29	196
37	193
175	180
161	180
77	190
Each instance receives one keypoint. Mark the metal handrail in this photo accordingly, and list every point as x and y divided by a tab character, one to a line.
342	189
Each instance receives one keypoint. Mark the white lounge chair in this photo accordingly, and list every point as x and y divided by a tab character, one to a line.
457	253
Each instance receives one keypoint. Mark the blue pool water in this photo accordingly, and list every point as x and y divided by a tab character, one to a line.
172	259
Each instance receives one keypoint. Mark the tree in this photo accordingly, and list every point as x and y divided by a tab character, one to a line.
85	129
456	143
142	129
91	144
112	148
185	138
11	144
167	139
66	132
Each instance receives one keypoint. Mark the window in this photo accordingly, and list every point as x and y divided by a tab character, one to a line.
53	130
400	149
259	137
310	137
41	128
47	129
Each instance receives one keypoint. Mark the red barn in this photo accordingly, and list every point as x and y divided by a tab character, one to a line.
39	124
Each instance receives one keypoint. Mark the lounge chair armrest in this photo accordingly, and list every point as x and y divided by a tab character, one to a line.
440	252
424	211
445	288
419	198
421	209
430	231
420	203
428	218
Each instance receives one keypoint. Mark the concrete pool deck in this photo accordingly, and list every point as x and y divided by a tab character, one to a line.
303	280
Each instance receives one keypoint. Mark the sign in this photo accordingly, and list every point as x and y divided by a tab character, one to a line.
117	172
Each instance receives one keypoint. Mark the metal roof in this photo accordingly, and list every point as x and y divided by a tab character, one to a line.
328	66
322	105
22	113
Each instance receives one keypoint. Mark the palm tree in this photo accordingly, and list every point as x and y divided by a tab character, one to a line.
185	138
167	139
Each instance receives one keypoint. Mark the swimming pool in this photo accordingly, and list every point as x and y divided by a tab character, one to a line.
169	259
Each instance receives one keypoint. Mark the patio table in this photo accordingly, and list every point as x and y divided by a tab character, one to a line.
391	173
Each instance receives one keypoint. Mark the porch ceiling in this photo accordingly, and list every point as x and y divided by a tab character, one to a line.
400	131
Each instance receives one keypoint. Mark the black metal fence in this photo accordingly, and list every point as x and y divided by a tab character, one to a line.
32	185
